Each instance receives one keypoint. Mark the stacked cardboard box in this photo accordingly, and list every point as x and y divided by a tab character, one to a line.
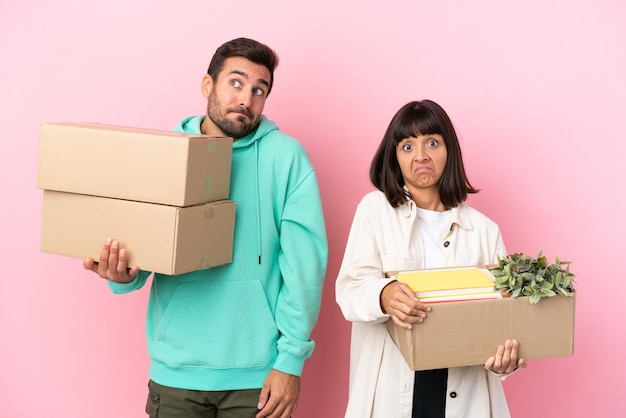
163	195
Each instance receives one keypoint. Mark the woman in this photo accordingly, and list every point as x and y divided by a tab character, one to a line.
415	220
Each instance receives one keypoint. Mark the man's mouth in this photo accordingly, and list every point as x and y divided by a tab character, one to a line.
241	112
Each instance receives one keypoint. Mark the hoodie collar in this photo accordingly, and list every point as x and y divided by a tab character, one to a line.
193	124
265	126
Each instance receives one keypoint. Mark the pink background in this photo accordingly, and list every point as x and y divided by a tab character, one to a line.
535	89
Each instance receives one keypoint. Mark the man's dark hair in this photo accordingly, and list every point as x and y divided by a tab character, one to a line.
412	120
249	49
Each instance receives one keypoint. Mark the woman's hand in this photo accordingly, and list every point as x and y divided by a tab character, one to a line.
399	301
505	361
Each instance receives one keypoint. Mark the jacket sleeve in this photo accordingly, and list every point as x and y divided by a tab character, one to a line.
361	277
302	260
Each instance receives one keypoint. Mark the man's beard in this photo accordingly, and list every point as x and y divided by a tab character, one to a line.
234	129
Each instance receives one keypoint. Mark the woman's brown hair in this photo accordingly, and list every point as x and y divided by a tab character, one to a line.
412	120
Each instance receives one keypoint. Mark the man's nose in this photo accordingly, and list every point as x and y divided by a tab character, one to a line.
245	98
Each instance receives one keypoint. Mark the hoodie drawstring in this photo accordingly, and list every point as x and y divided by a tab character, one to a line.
258	200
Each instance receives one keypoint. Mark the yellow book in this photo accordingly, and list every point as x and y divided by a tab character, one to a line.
448	281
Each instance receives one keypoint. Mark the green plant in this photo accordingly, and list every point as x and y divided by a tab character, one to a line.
522	275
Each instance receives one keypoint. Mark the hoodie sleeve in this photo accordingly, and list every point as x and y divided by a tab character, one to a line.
121	288
302	261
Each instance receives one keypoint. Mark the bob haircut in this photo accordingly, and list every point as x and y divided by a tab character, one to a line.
246	48
412	120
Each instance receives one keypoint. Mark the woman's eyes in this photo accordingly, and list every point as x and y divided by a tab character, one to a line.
430	144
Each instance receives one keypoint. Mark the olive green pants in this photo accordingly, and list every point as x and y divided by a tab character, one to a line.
167	402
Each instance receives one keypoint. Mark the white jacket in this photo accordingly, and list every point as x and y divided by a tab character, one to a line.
386	239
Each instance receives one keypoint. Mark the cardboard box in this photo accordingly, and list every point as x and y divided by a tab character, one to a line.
134	164
159	238
467	333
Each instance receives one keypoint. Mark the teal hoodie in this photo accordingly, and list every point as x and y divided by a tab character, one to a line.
226	327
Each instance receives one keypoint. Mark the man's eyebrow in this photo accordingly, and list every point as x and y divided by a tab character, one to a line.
245	75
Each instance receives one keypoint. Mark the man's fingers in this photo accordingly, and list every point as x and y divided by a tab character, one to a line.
113	257
263	398
122	270
90	264
112	264
104	253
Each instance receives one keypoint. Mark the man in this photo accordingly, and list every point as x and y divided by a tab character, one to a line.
231	341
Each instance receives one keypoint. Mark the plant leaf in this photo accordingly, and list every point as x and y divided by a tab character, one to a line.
522	275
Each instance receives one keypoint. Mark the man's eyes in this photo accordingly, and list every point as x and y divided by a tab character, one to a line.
258	91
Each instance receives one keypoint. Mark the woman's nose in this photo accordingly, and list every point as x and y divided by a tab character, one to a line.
421	154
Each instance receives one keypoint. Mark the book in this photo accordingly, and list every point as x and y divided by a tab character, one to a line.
458	283
460	297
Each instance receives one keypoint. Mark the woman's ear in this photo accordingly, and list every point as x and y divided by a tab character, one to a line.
207	85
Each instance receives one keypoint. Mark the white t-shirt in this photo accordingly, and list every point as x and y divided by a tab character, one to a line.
434	226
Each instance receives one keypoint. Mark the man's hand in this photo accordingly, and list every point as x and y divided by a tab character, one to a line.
279	395
505	361
112	264
399	301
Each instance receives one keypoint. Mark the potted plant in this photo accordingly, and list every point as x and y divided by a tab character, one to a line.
521	275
